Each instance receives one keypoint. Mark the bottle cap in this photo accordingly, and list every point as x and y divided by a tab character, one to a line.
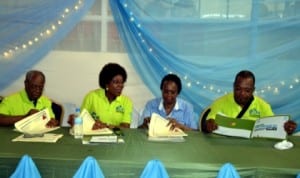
77	110
78	120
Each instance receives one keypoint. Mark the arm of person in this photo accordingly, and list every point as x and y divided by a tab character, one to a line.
145	124
9	120
52	123
211	125
290	126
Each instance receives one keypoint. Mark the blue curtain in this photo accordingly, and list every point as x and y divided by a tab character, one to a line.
30	29
206	42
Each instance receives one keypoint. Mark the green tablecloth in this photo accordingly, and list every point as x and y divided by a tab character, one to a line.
199	156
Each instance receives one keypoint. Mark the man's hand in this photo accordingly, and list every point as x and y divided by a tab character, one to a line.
52	123
290	126
211	125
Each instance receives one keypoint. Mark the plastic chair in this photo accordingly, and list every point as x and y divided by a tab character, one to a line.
154	169
228	171
26	169
89	168
202	120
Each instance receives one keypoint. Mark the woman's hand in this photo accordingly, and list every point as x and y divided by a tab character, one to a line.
99	125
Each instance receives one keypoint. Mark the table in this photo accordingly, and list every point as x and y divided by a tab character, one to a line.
201	155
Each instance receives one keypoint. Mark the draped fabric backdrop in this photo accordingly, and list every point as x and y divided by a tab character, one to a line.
205	42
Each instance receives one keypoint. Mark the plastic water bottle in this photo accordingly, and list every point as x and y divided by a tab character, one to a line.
77	127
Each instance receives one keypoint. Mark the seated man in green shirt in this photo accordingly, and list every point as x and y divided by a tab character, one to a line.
27	101
242	104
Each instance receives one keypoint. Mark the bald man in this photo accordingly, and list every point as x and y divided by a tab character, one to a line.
26	102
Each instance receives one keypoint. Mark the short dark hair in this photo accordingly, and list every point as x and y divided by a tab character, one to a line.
30	74
245	74
109	71
174	78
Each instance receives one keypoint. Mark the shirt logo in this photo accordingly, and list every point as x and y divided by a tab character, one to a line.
120	109
254	113
94	116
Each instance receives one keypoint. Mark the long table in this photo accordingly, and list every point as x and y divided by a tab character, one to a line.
201	155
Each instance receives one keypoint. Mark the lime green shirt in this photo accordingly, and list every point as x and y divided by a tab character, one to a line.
114	113
226	105
19	104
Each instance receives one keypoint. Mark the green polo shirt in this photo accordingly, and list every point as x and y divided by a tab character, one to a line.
19	104
226	105
114	113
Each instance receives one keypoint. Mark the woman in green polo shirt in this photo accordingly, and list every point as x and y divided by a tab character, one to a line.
107	105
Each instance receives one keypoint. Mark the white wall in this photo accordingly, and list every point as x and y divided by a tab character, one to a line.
70	75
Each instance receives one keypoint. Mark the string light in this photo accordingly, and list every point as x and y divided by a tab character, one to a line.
8	53
273	89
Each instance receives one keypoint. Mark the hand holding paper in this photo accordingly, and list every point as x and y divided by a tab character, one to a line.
159	127
88	123
35	123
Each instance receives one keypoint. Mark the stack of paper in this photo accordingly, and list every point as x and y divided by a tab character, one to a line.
160	131
48	137
88	123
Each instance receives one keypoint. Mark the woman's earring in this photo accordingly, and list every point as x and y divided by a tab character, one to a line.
106	88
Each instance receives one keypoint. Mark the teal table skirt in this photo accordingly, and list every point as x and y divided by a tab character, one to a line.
201	155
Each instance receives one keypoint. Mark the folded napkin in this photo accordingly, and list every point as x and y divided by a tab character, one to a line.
89	168
26	169
154	169
228	171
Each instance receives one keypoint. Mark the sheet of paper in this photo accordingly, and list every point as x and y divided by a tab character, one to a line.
35	123
88	123
166	139
158	128
104	139
270	127
47	137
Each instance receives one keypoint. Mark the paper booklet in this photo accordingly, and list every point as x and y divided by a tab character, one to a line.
88	123
159	131
266	127
35	123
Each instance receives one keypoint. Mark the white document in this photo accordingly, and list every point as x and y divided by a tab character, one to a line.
266	127
35	123
158	128
47	137
270	127
88	123
104	139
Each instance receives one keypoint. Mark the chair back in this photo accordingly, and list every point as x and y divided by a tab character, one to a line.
58	111
202	120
